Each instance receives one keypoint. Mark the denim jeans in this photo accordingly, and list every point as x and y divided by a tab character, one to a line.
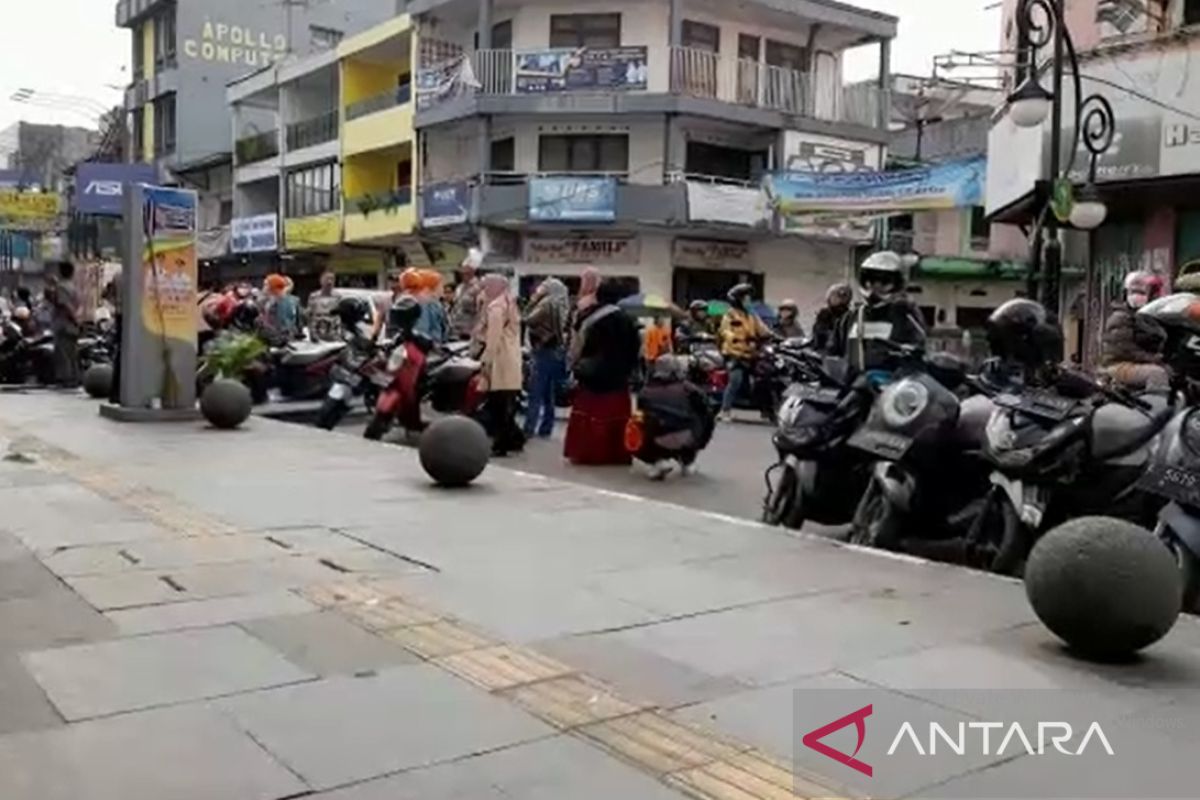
737	376
549	366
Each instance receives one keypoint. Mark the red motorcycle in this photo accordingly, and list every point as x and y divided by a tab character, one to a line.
420	370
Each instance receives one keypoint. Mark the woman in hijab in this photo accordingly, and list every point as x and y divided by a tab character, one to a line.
433	322
546	324
604	356
501	358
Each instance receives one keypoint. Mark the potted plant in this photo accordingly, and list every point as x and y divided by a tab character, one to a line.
226	402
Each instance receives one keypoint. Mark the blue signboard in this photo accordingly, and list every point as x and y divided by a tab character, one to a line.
99	188
445	204
582	69
952	184
573	199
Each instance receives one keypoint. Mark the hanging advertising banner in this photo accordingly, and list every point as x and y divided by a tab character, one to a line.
581	70
257	234
438	83
28	211
305	233
573	199
728	204
169	263
951	184
444	204
597	251
711	254
100	188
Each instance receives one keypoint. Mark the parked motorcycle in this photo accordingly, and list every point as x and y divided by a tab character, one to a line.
1073	449
818	476
302	370
929	474
1174	476
360	372
445	375
24	357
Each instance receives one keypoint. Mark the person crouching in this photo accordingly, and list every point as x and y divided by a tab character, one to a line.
674	421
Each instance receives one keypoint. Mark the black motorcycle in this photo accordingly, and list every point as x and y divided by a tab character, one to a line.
929	473
26	357
1175	477
361	371
1072	448
817	477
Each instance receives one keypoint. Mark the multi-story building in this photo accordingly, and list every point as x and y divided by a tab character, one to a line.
1139	56
323	158
41	155
184	53
633	136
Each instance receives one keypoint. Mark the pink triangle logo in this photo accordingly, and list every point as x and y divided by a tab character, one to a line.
812	740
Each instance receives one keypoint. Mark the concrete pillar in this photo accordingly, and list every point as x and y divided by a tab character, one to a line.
885	83
676	23
485	24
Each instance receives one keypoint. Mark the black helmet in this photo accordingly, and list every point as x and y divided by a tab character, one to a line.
1022	331
740	294
244	316
351	311
404	314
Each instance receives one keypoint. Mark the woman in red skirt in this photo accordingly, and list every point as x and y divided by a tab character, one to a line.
605	354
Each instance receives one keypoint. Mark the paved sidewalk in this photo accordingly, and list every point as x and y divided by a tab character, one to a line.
277	611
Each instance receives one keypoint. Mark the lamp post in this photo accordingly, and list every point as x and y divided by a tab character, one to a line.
1041	23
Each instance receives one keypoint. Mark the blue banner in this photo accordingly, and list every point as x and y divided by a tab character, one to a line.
100	188
573	199
951	184
445	204
582	69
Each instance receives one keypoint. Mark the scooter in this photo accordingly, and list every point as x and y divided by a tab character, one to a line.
1175	477
417	370
24	357
817	475
302	370
360	372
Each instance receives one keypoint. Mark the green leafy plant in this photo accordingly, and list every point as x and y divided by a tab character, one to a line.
231	354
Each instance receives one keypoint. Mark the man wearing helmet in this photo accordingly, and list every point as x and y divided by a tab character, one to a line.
788	325
884	315
697	324
1133	342
829	318
741	332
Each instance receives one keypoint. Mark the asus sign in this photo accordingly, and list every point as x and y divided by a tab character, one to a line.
99	188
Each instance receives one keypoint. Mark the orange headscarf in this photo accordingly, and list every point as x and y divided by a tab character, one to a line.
410	281
276	283
430	279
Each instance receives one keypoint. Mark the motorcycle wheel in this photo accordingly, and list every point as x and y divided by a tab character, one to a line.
378	427
1189	571
999	539
875	523
785	502
332	413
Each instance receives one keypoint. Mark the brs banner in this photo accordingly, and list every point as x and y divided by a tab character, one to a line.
951	184
582	69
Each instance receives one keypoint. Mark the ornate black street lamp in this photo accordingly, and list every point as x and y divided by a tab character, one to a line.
1041	23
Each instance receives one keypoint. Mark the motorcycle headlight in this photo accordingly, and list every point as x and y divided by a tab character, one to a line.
1001	437
789	412
903	402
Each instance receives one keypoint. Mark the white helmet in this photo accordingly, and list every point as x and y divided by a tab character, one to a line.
882	269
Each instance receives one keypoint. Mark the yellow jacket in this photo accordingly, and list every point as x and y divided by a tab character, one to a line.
740	331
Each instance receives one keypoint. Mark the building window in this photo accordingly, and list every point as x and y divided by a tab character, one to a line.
164	38
225	213
504	155
699	36
502	35
608	153
311	191
164	124
585	30
139	53
786	56
137	124
1191	12
981	229
715	161
324	38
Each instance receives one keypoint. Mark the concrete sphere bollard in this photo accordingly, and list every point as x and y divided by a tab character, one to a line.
454	451
97	381
226	403
1106	587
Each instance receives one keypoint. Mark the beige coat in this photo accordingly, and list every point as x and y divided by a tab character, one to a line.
502	346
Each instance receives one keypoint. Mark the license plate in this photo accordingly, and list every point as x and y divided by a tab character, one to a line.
1045	405
381	379
882	444
340	392
815	394
1173	483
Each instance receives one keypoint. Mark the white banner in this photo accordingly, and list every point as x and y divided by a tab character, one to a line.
256	234
593	250
710	254
730	205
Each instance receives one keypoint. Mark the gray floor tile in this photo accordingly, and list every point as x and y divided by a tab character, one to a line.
327	644
50	620
145	671
556	769
208	613
351	729
168	754
23	705
26	577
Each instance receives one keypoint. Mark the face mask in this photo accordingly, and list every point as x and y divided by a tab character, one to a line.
1137	299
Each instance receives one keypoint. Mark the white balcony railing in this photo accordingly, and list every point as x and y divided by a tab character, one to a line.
705	75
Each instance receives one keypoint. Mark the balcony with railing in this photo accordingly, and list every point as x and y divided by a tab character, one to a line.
258	147
380	216
313	131
694	73
380	121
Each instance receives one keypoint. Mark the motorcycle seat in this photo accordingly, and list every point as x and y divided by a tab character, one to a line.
300	354
1118	430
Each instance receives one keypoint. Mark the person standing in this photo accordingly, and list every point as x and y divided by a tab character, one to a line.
604	356
434	322
657	340
501	359
547	327
65	324
465	314
281	311
829	318
323	323
112	292
741	332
